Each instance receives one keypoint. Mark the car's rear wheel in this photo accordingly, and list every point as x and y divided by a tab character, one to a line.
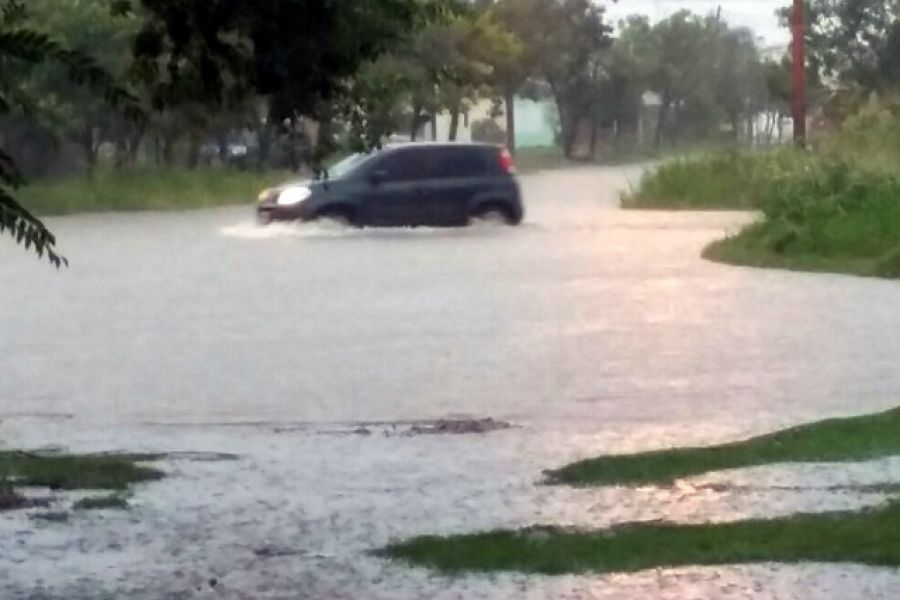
492	214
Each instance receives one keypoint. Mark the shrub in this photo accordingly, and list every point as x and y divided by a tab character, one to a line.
715	181
834	208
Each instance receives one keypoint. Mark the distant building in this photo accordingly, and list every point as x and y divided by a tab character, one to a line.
536	124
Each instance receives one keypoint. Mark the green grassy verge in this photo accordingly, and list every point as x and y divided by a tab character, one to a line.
147	189
868	537
110	502
834	440
855	230
72	472
836	208
530	160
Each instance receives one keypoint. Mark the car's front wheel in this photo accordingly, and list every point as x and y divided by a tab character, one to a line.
337	217
264	217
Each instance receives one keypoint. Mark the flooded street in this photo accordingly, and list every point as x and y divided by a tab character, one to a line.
591	329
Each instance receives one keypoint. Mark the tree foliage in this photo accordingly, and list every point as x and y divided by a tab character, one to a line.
856	42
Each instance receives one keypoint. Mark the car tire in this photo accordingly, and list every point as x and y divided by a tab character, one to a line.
491	214
264	217
337	217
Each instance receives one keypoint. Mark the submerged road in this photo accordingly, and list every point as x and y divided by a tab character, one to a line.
591	328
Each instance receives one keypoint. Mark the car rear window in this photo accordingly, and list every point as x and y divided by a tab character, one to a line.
424	162
452	163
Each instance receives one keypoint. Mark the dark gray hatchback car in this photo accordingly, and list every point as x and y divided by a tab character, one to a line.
427	184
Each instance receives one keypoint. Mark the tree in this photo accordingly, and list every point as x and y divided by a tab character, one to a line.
704	73
69	110
779	87
740	87
496	41
856	41
300	53
22	47
575	65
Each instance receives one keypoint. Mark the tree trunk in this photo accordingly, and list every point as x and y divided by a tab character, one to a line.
325	144
454	125
570	134
222	142
594	132
661	119
509	100
134	144
414	125
193	157
121	151
168	149
434	128
264	136
89	145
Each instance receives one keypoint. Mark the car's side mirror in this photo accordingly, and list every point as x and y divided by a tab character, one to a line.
377	177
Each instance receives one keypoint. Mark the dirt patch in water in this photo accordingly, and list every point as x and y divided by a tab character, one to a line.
430	427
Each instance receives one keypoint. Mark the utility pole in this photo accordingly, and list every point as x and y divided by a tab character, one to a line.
798	27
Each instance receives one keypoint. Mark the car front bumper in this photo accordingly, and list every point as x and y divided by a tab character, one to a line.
269	211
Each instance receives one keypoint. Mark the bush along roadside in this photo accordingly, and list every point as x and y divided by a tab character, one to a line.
835	208
826	215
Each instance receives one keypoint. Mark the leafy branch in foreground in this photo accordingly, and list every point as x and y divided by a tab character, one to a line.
22	46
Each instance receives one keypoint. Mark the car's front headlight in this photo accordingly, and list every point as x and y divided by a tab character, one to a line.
293	195
264	195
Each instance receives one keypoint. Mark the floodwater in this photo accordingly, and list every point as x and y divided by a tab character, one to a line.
592	329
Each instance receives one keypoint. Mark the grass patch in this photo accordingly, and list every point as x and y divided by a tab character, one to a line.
147	189
110	502
530	160
868	537
830	218
721	181
834	440
835	209
73	472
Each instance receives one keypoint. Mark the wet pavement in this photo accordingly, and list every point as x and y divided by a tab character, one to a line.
591	329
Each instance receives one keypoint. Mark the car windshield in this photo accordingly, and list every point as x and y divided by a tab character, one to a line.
347	165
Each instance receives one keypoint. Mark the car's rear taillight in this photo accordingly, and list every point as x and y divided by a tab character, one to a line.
506	162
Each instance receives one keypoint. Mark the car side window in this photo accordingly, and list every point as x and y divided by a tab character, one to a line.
453	163
404	165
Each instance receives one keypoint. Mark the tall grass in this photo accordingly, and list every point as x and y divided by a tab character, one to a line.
834	208
711	182
146	189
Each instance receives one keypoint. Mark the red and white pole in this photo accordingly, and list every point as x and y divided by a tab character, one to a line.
798	48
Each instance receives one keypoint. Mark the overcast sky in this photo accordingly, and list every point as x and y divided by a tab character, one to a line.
759	15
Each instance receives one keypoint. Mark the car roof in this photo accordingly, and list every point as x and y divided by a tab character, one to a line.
475	145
